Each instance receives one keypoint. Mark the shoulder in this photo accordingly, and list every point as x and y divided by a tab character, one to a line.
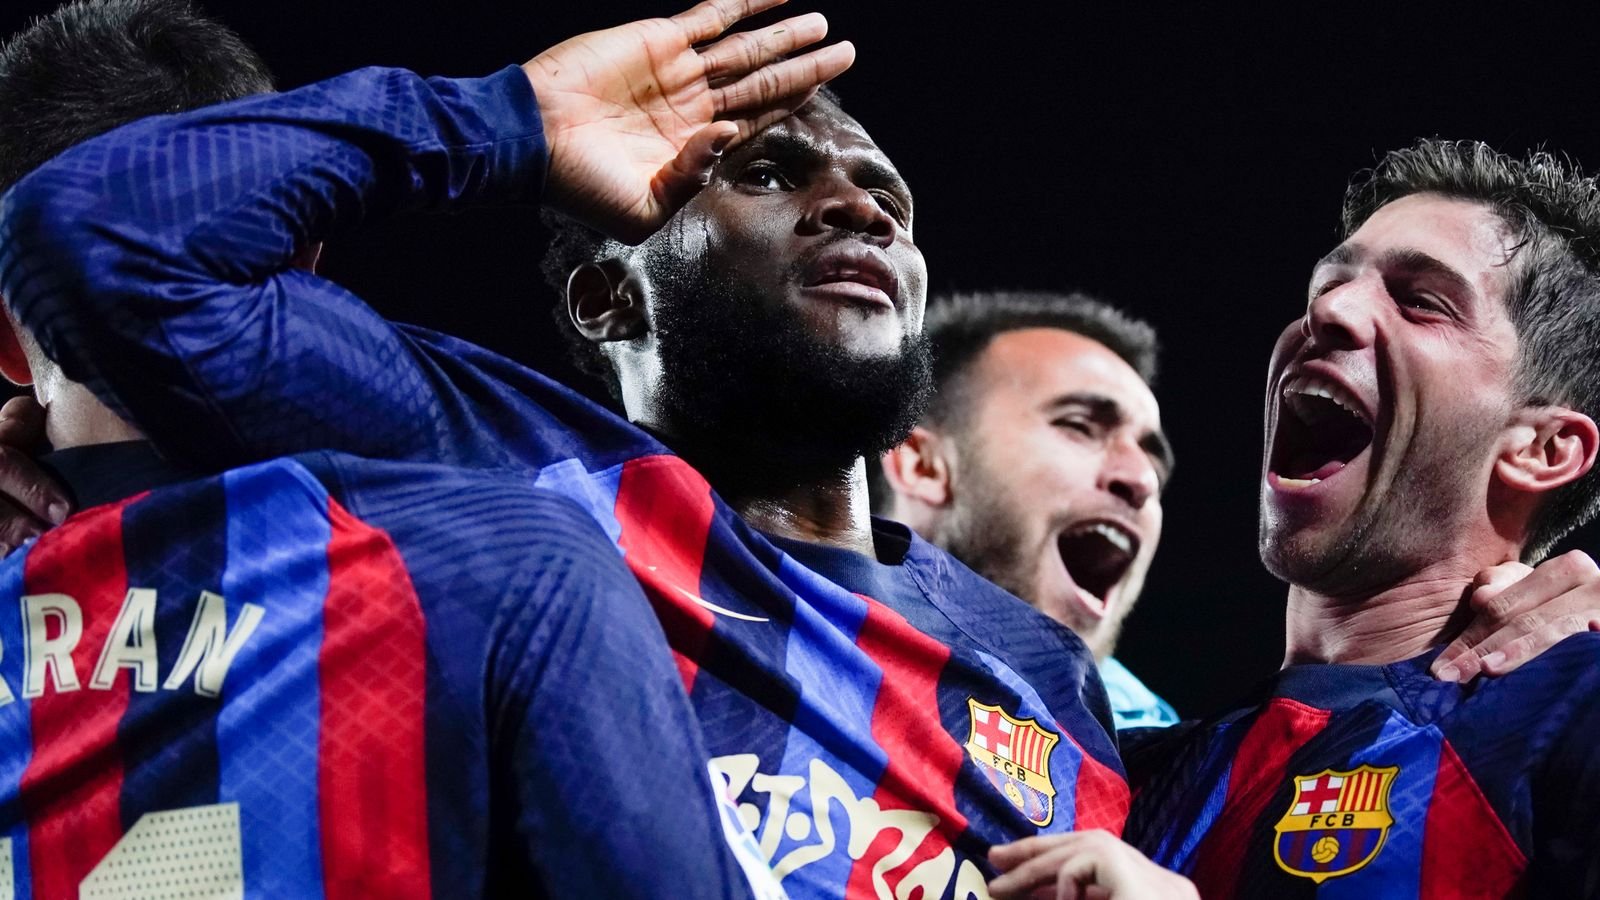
488	515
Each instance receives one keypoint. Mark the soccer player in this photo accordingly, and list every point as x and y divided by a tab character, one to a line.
316	675
1433	411
1041	462
880	714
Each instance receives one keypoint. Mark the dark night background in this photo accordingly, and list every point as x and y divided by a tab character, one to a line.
1185	161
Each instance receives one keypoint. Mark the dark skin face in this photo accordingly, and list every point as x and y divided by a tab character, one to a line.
811	218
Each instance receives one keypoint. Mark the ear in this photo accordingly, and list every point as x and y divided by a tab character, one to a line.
918	469
1550	447
13	362
606	301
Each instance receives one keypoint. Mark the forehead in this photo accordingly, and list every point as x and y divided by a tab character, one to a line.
1466	236
823	127
1040	365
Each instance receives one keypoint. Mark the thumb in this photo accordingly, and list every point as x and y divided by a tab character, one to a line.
679	180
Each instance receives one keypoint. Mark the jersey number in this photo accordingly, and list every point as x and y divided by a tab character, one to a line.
192	852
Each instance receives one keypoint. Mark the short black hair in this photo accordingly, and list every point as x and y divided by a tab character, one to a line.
93	65
961	326
573	244
1551	211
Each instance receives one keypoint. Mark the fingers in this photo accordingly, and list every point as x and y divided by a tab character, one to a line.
32	490
1034	862
22	423
678	181
789	78
1514	622
740	54
704	21
1488	586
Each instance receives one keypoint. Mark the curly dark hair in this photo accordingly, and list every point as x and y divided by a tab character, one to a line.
1551	210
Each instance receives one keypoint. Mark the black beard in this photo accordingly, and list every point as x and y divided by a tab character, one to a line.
754	395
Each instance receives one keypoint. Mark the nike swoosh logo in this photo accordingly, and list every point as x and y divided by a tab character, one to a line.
720	610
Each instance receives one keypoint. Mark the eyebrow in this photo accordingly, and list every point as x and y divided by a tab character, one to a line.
1405	259
1107	411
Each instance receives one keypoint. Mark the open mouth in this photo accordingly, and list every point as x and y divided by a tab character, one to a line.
1321	428
853	272
1097	555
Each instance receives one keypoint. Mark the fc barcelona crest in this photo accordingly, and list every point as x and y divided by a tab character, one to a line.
1336	822
1015	755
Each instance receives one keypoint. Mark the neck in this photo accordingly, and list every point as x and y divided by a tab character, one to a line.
74	417
1394	623
821	503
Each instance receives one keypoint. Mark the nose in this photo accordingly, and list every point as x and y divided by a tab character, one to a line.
839	203
1341	318
1128	474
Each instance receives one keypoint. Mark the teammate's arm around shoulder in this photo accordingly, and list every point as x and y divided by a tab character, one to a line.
1082	865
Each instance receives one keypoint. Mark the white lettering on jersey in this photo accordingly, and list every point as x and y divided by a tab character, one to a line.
44	654
800	807
210	646
132	643
52	626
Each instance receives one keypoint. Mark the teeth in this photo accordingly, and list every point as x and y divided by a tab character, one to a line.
1115	535
1297	482
1312	386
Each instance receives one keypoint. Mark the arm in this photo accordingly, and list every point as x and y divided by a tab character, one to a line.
155	263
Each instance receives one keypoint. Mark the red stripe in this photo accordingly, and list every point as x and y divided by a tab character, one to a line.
1026	759
371	779
1259	769
923	758
72	788
664	507
1102	795
1374	790
1466	850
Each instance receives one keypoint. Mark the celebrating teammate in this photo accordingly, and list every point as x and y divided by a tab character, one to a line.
317	675
1432	412
1041	462
880	714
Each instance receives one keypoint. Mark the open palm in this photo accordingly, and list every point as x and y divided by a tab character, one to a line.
636	115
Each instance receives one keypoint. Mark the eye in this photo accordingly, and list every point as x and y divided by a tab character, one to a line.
891	205
1073	423
1419	302
765	176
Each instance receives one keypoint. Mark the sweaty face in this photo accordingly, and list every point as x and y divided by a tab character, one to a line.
787	298
1384	402
1059	468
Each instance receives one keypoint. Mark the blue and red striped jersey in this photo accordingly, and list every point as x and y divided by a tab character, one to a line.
1379	781
327	677
880	723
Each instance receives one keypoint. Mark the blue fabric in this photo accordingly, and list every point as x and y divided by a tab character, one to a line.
1502	771
560	756
1133	704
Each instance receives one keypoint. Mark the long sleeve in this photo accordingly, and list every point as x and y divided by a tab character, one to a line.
153	264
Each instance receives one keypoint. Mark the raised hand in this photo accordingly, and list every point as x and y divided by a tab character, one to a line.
1518	613
636	115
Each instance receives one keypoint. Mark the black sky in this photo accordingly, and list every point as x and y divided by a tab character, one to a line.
1183	160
